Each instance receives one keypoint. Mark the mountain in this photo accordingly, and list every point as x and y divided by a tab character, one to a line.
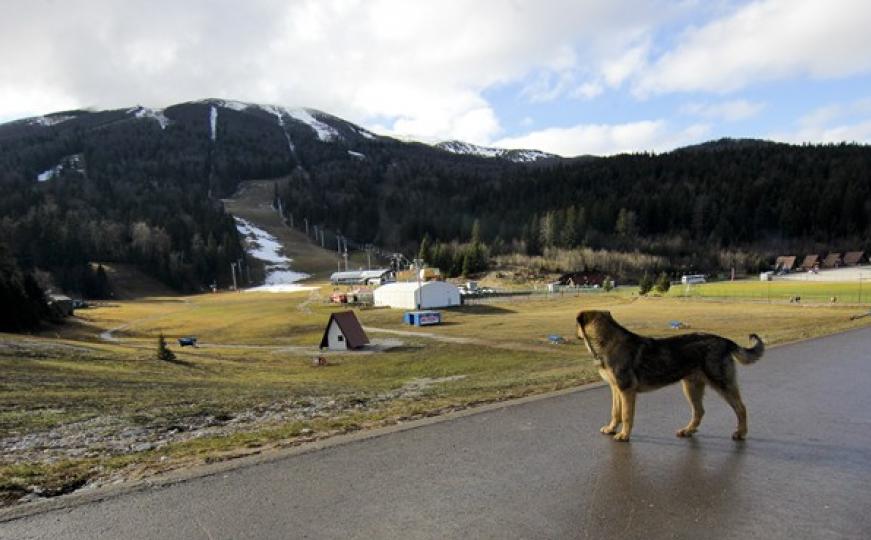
144	186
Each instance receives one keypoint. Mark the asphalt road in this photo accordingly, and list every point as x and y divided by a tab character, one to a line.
542	470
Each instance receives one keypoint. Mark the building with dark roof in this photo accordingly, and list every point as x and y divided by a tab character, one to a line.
343	332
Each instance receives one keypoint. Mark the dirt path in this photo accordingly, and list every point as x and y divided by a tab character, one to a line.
508	345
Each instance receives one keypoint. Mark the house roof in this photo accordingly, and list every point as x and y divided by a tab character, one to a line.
355	337
831	260
413	285
852	258
785	261
809	261
359	274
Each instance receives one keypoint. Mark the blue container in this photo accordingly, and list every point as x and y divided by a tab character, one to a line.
422	318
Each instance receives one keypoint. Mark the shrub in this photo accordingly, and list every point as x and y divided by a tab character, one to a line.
163	352
663	284
645	284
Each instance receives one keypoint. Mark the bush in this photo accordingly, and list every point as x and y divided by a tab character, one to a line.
163	352
645	284
663	284
608	284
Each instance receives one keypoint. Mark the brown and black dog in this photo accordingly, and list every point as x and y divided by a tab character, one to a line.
630	363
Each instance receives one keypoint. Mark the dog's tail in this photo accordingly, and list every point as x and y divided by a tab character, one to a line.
749	355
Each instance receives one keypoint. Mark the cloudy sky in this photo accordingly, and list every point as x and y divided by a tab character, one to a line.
567	76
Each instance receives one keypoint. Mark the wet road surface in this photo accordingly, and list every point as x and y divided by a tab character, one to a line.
542	470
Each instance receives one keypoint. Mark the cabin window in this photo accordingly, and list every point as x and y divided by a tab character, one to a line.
340	337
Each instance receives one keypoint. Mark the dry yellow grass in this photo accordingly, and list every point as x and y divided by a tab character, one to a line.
257	349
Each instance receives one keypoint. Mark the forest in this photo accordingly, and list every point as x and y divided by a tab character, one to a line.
83	187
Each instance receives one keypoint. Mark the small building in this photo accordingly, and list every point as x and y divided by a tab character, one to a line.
422	318
810	262
784	263
586	278
343	332
832	260
427	273
60	305
362	277
416	296
853	258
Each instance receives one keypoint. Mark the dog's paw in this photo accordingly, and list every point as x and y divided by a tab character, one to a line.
739	435
621	437
608	430
685	432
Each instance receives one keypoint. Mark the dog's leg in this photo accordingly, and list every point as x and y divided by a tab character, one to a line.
616	408
733	397
627	405
694	390
611	427
729	391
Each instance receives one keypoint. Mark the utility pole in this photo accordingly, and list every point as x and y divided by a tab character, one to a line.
233	270
248	272
322	237
368	257
346	258
291	221
860	287
306	226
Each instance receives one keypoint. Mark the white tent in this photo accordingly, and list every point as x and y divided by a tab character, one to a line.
410	295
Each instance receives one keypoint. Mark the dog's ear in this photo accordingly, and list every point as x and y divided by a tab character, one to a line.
580	318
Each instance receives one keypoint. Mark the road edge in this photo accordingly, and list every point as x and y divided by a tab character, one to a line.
211	469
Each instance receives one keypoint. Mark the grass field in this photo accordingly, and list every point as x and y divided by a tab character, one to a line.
779	291
75	408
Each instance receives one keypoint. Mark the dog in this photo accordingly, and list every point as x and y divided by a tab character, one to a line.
631	363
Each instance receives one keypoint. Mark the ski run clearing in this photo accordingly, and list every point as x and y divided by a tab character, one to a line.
263	246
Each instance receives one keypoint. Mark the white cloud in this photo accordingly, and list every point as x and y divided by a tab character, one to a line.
727	111
421	66
834	123
607	139
763	41
588	90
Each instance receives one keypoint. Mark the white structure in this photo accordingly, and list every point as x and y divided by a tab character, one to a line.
411	295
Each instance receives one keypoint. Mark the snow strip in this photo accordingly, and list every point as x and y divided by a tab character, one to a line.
325	133
213	121
279	114
265	247
357	154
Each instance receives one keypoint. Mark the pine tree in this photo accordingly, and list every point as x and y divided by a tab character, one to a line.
163	352
645	284
663	284
425	253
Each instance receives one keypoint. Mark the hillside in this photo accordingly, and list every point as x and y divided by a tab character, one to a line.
145	187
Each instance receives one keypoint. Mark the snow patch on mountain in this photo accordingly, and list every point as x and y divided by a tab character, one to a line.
265	247
325	133
520	156
234	105
73	162
213	122
147	112
50	120
357	155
